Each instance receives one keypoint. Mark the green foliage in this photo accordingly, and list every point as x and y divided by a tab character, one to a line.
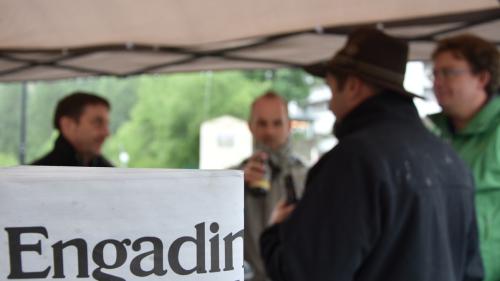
10	119
7	160
164	128
292	83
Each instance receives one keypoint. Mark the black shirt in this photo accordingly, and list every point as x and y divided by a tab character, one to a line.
64	154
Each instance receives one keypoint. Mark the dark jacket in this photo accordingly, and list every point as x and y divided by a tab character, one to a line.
64	154
389	202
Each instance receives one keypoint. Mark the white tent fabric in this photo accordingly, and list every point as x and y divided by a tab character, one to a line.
56	39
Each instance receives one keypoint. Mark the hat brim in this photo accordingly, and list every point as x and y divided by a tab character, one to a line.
318	69
322	69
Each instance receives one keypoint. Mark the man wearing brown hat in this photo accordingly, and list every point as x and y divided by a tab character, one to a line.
390	201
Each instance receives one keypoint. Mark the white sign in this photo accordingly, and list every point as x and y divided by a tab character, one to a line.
110	224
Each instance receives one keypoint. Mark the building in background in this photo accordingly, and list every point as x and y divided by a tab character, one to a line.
224	142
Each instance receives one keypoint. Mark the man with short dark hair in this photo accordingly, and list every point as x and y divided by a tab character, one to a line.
270	173
466	81
390	201
82	120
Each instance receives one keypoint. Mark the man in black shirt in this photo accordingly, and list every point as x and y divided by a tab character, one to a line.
82	120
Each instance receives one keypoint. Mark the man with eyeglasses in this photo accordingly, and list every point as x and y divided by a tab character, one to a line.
466	80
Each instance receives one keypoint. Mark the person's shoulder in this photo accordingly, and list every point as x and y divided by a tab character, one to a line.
353	148
103	162
39	162
46	160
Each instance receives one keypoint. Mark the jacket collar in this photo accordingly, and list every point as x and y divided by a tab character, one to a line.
63	148
386	106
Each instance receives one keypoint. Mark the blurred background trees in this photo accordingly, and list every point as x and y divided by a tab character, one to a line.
155	119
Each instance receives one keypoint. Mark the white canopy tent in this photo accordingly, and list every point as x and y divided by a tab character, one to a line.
43	40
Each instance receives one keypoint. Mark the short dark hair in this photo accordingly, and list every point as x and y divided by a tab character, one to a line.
270	95
479	53
73	104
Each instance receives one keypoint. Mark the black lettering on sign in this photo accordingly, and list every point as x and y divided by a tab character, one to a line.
173	252
157	252
16	248
102	271
81	247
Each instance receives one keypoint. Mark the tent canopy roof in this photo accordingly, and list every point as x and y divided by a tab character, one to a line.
57	39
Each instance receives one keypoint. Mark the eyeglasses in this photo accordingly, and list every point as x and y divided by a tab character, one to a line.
447	73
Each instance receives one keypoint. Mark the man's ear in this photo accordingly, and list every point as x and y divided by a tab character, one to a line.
66	125
359	90
353	86
289	123
250	127
484	79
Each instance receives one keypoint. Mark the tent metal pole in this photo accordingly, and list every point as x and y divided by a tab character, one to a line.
22	139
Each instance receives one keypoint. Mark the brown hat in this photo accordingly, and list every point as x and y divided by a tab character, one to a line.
371	55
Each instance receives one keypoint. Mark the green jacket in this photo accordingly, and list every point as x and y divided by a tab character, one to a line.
479	145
